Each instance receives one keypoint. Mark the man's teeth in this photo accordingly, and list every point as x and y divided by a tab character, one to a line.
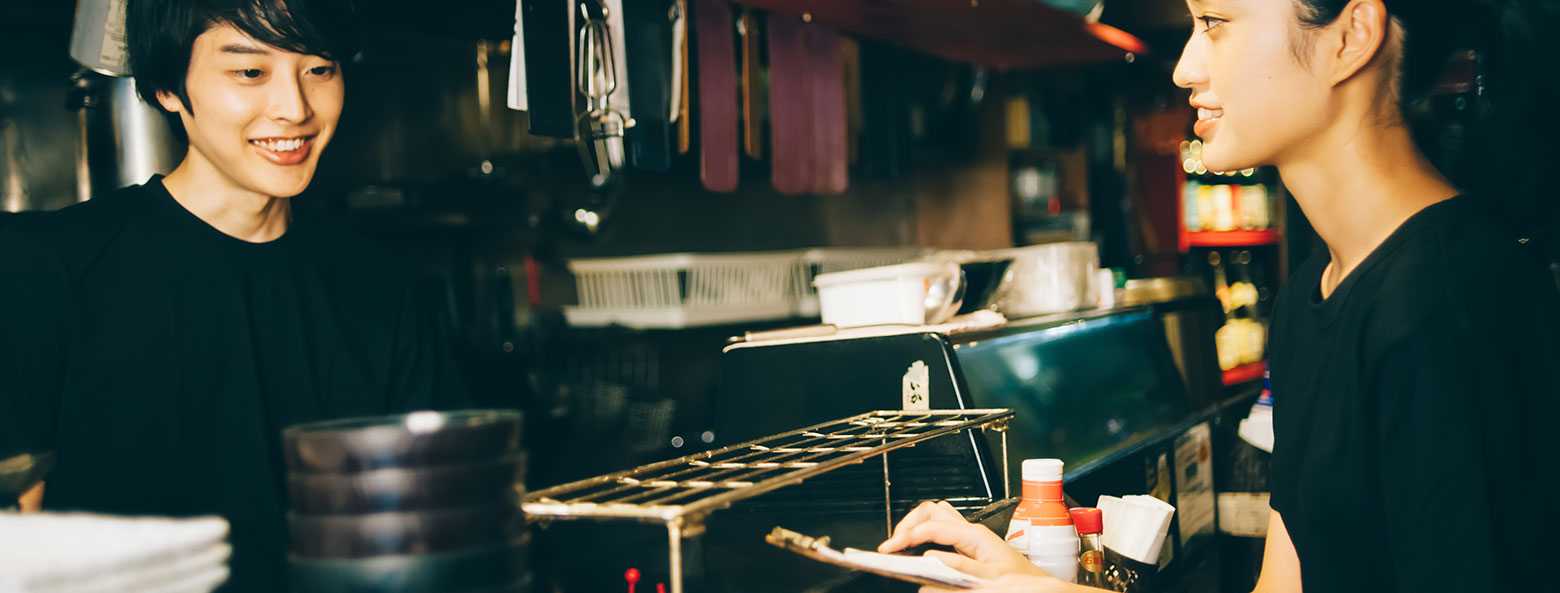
279	145
1209	113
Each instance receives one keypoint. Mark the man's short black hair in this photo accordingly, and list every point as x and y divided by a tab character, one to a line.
161	33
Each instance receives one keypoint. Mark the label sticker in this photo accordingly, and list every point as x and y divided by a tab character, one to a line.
915	392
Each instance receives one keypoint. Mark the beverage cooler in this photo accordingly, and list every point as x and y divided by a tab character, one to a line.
1130	398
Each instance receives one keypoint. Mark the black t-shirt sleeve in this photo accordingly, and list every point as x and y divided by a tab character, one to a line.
425	376
34	300
1434	462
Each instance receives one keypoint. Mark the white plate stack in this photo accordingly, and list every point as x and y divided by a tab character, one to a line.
83	553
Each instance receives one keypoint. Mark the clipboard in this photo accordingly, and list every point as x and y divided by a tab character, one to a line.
921	570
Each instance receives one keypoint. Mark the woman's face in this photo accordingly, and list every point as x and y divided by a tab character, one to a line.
1255	99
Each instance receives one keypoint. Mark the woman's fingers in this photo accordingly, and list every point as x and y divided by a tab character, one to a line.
966	565
924	512
970	539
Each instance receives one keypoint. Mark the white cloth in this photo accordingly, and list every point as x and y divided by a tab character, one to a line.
85	553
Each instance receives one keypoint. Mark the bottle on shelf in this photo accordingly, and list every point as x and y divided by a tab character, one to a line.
1245	295
1228	339
1042	528
1190	202
1091	561
1224	208
1254	207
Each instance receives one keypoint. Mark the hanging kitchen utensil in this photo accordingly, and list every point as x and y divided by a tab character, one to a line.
648	31
850	53
790	99
516	98
684	77
753	92
599	128
884	111
718	143
549	84
826	89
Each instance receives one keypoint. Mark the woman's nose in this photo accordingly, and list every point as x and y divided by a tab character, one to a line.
1191	70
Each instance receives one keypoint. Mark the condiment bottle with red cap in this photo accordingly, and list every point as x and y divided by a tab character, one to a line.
1090	523
1042	529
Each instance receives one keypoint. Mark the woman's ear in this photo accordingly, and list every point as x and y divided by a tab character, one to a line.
1354	39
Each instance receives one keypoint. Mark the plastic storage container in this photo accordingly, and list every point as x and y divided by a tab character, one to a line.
684	290
1051	278
816	262
906	294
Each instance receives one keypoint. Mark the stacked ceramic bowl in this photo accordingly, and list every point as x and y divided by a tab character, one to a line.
426	502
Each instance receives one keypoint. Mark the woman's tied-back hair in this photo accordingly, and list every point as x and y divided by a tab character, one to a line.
161	33
1501	148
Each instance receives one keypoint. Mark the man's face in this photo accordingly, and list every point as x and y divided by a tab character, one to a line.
259	116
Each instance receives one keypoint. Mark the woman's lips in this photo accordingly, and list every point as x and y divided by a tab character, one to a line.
284	151
1206	119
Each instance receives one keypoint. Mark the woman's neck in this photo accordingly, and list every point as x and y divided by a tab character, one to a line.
1358	184
217	199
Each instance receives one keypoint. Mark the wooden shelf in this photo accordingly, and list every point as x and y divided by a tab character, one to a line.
995	33
1245	373
1234	238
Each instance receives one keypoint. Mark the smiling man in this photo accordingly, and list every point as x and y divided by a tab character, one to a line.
158	339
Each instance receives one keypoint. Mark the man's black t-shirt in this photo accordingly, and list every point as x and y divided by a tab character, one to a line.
159	359
1413	412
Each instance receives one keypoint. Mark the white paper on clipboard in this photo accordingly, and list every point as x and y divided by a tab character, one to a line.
923	570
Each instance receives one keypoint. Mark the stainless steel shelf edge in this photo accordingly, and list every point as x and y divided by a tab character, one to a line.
885	430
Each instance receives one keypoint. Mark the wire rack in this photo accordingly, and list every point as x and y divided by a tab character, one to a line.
681	492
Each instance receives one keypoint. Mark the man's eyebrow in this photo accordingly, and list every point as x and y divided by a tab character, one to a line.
244	49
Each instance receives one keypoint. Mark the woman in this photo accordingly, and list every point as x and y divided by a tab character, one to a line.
1412	361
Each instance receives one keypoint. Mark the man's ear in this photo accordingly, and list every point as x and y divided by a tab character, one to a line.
170	101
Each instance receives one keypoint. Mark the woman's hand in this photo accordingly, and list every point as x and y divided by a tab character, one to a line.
1021	583
981	553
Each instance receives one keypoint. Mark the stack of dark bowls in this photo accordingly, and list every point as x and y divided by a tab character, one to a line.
426	502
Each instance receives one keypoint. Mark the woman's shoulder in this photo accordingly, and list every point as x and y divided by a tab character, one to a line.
1463	269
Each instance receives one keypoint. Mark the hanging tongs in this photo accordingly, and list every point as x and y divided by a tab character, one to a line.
598	126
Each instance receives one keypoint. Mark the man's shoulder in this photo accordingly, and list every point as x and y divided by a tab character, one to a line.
77	232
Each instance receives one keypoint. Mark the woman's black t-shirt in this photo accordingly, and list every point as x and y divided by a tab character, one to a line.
1415	412
159	359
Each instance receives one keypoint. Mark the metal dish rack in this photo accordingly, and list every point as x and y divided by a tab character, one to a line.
681	492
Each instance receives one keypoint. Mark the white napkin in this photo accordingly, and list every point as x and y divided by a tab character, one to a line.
1135	526
80	552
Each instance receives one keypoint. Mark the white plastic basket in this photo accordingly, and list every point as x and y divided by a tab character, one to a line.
684	290
814	262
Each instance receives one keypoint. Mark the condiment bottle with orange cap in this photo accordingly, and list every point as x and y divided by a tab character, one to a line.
1042	529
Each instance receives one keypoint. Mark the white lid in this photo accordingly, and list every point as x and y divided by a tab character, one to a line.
1042	470
894	272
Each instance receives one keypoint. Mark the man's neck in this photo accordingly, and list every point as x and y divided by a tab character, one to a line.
214	198
1368	183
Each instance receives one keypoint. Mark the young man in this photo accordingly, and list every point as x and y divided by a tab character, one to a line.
158	339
